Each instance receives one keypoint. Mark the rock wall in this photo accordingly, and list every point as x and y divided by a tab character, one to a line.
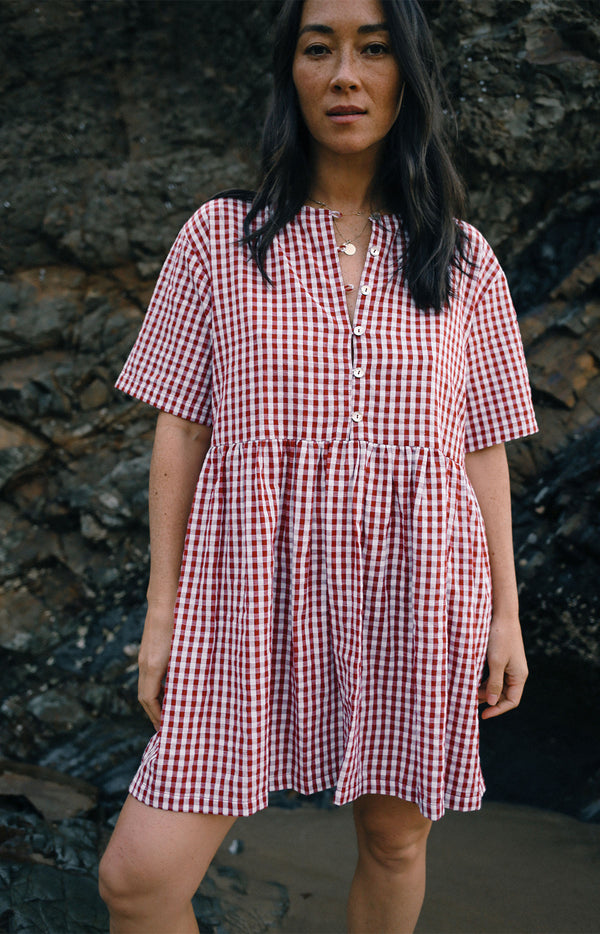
118	119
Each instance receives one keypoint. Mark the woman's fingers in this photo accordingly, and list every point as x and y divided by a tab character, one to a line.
508	699
150	691
503	688
153	661
150	687
495	683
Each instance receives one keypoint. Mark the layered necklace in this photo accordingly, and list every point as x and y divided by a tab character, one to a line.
347	246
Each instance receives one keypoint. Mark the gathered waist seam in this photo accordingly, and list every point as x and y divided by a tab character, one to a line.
361	442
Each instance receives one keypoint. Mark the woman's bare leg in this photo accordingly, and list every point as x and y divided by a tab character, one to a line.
389	883
154	863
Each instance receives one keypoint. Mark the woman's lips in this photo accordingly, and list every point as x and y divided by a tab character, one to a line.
345	114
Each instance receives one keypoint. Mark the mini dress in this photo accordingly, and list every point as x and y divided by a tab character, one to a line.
334	601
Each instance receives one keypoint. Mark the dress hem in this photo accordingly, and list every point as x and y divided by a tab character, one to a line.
469	804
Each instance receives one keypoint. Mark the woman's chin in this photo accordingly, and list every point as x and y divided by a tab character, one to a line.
350	148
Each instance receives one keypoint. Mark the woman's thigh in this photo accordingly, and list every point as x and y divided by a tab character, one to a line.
160	853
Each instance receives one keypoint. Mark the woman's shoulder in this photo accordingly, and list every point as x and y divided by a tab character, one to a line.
229	206
222	215
482	262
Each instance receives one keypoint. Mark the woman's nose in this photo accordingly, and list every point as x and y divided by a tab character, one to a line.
345	75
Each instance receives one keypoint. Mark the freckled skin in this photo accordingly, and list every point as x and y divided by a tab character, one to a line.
342	66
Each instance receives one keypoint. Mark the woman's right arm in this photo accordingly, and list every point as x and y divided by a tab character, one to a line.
177	457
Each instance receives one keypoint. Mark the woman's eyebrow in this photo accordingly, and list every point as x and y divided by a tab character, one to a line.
320	27
373	27
315	27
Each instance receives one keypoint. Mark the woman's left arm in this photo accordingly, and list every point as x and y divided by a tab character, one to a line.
487	470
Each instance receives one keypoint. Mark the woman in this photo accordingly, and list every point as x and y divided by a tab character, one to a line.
338	365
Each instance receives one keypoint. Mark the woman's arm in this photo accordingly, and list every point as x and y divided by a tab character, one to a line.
488	472
177	456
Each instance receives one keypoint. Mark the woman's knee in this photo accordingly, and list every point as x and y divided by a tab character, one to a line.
111	881
157	858
118	882
395	852
390	832
128	875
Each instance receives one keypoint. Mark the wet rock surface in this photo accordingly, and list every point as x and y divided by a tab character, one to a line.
117	120
48	882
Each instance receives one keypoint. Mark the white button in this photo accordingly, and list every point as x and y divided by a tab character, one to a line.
374	251
365	289
358	371
359	329
357	416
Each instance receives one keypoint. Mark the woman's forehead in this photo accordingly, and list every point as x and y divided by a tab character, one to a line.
337	13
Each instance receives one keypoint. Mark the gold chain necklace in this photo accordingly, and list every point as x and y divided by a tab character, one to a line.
347	246
337	213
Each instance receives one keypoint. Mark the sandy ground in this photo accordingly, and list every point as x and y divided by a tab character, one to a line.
502	870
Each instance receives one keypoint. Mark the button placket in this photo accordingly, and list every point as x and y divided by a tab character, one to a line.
359	370
358	373
358	380
359	399
358	330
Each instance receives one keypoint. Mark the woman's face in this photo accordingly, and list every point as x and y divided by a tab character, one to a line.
346	77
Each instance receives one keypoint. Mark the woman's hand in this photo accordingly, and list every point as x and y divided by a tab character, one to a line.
177	457
487	470
153	661
507	665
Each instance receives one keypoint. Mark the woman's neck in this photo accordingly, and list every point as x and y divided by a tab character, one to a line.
343	183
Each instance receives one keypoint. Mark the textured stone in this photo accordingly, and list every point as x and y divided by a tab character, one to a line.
23	618
228	900
560	370
580	280
47	900
23	544
57	708
94	395
19	449
49	892
54	794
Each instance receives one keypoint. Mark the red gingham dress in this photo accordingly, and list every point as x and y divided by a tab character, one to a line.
334	600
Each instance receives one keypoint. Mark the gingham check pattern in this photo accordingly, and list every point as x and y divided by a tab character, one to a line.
334	600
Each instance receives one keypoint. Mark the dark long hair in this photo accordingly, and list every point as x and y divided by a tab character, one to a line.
415	177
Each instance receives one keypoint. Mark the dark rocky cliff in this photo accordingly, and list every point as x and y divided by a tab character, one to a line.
118	119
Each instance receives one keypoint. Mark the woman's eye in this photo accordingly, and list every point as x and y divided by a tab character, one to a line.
376	48
316	50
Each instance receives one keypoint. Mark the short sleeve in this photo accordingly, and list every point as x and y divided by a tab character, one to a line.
170	365
499	406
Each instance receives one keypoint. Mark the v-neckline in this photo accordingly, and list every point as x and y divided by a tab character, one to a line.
359	279
320	227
